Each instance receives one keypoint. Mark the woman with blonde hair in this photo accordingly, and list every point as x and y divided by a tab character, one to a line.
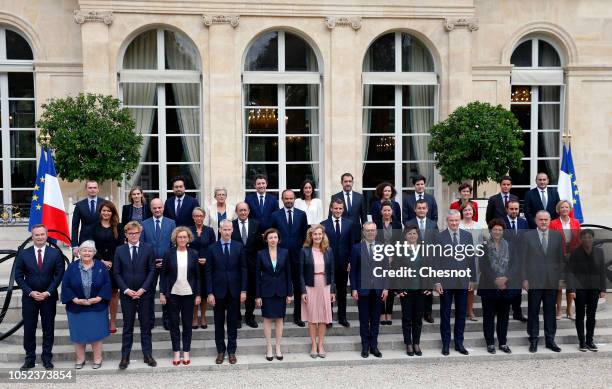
219	210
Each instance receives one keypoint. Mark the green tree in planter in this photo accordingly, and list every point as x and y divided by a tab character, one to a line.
478	142
93	137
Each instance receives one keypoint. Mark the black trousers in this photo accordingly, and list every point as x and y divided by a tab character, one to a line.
165	316
428	304
180	309
297	293
387	308
586	301
341	278
446	302
30	310
129	308
369	319
226	309
516	306
249	304
412	316
491	308
548	299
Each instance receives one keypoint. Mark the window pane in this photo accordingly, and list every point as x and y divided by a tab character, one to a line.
21	114
183	148
21	85
415	56
186	171
521	57
180	53
378	95
151	146
301	95
23	174
146	120
148	179
183	95
182	121
142	52
549	93
410	170
302	148
524	177
299	56
302	121
417	121
526	144
414	148
263	54
521	94
418	95
375	173
23	144
378	121
271	171
381	55
261	95
17	47
379	148
261	121
139	94
547	55
298	173
550	167
21	198
549	144
523	115
261	149
549	117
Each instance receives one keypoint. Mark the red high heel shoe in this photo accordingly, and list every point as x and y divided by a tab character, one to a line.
112	330
176	363
186	361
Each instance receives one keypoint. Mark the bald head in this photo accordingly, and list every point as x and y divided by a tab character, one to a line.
242	210
157	207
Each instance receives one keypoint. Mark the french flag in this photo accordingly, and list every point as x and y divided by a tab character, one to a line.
567	185
47	203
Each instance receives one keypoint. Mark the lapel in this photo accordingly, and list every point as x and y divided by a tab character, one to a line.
269	258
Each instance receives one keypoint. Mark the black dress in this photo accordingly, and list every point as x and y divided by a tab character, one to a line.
106	244
200	244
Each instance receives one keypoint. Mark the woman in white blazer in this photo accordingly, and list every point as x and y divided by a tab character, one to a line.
219	210
309	203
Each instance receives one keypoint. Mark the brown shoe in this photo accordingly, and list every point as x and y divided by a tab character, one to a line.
232	359
219	359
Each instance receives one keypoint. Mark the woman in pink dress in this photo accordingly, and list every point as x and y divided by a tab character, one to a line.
318	288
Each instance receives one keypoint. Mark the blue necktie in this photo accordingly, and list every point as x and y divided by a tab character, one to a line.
261	203
157	229
513	227
338	228
226	249
92	206
290	220
178	207
349	203
134	252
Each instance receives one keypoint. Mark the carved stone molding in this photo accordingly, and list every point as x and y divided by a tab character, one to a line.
232	20
81	17
354	22
470	23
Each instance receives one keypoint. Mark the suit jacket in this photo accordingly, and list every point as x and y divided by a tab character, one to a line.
496	207
454	263
307	269
341	245
254	241
362	266
169	272
72	286
293	239
262	215
358	213
135	274
574	242
272	282
376	207
542	270
128	209
533	204
396	225
586	271
184	217
514	236
212	219
409	203
486	284
161	243
30	279
226	275
431	229
201	243
85	219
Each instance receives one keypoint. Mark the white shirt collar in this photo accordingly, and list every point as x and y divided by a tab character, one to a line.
158	218
42	252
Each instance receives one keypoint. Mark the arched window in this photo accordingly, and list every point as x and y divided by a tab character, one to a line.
281	111
537	102
159	82
17	118
399	107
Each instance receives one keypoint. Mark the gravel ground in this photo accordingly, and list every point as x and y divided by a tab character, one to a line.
588	373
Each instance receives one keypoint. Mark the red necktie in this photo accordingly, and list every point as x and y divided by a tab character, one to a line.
39	259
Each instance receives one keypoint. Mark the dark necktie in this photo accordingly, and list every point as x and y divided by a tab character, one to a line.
513	225
226	249
39	262
349	203
505	200
338	227
92	206
455	239
157	229
261	203
134	252
243	232
290	219
420	197
178	206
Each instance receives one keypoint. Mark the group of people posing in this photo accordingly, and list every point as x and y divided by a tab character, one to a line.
269	256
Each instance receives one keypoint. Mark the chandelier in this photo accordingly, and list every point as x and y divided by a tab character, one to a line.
521	94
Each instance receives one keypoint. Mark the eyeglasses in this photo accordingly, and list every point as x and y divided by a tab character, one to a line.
133	233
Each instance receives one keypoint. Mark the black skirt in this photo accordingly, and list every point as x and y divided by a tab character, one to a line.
274	307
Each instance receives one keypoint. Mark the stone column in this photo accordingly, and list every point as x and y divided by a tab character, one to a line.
459	60
96	57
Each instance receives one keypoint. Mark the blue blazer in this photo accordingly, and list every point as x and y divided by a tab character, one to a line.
128	210
358	214
226	275
83	217
510	235
341	245
201	243
409	202
136	274
29	278
496	206
307	269
262	215
163	243
362	269
533	204
377	217
184	217
272	282
72	286
451	263
169	272
291	240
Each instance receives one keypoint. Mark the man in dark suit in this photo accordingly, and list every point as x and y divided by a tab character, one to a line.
367	290
515	227
134	271
542	255
86	214
38	272
292	225
410	200
261	204
246	230
226	283
354	205
428	230
456	288
339	231
156	232
496	207
540	198
180	206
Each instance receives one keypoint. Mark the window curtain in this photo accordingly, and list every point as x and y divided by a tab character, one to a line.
549	119
367	121
313	94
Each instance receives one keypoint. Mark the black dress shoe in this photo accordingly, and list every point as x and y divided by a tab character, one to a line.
239	324
364	353
409	350
505	349
376	352
124	363
591	346
520	318
582	347
27	366
428	318
445	350
299	323
553	347
461	350
150	361
48	365
533	347
417	350
344	323
251	323
491	349
166	326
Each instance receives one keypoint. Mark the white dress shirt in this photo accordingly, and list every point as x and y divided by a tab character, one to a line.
314	211
181	287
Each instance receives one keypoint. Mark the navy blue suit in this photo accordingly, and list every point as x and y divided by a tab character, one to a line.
200	244
184	217
72	287
496	207
226	278
262	215
533	204
83	217
358	212
252	245
273	285
47	279
514	236
376	207
135	274
409	203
